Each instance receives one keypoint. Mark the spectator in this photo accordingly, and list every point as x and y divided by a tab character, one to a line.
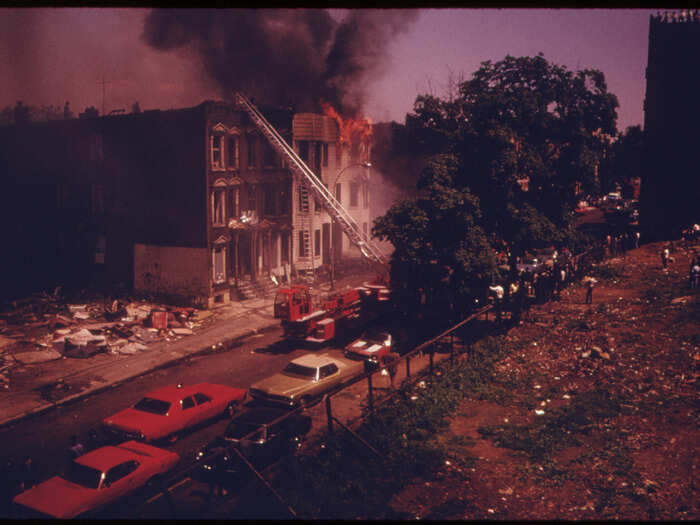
665	254
695	276
589	290
636	239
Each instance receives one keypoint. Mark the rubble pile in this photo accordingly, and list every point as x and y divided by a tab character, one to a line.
44	327
597	407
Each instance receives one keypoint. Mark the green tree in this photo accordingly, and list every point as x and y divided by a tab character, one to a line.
510	152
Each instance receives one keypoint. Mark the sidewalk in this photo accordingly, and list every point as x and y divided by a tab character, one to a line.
42	386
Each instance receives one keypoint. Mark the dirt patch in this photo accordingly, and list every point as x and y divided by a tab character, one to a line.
599	415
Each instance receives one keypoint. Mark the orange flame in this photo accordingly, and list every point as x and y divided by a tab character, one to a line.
350	131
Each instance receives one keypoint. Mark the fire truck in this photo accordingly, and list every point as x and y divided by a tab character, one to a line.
301	319
339	313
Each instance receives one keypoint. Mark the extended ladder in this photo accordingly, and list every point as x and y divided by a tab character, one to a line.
319	190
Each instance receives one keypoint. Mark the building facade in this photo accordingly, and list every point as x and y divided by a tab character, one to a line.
671	181
187	204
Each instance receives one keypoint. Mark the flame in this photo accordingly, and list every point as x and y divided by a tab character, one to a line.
350	131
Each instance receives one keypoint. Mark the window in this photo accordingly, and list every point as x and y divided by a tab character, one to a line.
285	248
216	155
269	196
303	248
365	195
186	403
317	242
233	151
233	205
364	228
251	151
304	150
324	153
201	398
338	193
120	471
219	269
273	255
269	159
218	208
328	370
252	200
284	199
354	192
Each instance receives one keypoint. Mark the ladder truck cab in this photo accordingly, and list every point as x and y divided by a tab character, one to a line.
336	314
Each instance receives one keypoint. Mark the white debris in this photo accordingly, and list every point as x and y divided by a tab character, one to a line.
539	412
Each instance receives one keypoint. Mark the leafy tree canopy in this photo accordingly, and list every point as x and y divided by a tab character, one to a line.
511	150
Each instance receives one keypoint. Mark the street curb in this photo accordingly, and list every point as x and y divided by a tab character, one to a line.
224	344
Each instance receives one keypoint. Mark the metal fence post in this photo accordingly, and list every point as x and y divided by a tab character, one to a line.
370	399
329	415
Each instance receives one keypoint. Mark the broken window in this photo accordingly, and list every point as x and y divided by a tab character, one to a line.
233	151
216	154
317	242
325	154
219	211
354	193
219	260
251	151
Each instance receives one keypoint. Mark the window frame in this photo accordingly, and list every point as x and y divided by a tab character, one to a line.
221	193
221	165
354	194
233	153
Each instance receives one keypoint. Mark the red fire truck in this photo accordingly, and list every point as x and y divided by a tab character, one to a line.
338	313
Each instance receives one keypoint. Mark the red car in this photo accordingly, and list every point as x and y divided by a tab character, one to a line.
171	409
97	478
372	346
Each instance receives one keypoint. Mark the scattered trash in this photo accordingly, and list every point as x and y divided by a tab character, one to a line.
539	412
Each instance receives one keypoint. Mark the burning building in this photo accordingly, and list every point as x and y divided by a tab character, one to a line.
193	203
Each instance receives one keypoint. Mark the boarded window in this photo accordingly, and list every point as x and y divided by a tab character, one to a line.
233	152
317	242
354	193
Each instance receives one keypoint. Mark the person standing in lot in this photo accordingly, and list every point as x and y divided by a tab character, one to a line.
665	254
589	290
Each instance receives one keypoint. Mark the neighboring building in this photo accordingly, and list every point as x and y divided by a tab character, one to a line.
671	181
186	203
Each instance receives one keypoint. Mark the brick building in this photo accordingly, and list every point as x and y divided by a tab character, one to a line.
671	181
189	203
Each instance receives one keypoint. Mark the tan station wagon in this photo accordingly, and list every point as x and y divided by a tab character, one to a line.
305	378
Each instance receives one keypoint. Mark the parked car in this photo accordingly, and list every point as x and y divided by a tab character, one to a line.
372	346
171	409
270	440
305	378
96	479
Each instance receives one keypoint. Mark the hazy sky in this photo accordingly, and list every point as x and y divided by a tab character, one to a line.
48	56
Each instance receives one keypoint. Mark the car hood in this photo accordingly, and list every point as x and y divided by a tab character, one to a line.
364	347
283	385
150	425
57	497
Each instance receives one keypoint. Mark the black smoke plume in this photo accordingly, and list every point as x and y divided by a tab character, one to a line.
284	56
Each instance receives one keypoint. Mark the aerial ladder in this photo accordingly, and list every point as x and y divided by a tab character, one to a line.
310	181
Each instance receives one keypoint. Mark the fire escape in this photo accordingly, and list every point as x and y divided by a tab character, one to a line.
312	186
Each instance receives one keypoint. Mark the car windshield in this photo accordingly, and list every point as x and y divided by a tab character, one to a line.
154	406
375	336
83	475
299	370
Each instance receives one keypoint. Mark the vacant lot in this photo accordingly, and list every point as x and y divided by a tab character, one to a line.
591	414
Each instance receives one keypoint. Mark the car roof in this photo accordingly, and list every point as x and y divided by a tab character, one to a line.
313	360
105	458
173	392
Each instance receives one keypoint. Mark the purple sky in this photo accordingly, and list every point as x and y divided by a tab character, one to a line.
48	56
